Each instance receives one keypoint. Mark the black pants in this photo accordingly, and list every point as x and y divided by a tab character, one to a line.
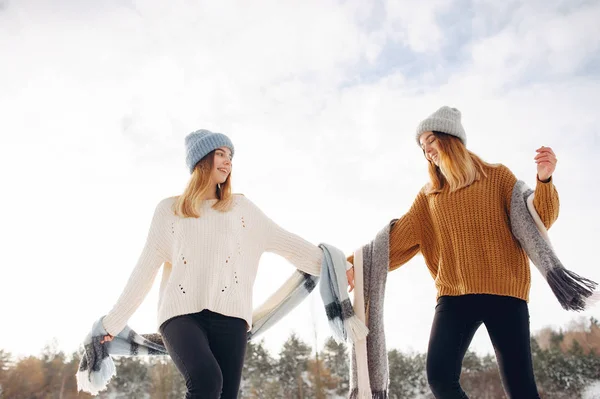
208	350
455	322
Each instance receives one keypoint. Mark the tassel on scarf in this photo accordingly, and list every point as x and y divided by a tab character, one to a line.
573	291
356	329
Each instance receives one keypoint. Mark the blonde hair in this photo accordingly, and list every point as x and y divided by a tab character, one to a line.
187	204
458	167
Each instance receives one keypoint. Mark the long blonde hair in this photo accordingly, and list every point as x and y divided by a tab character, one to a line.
188	203
458	167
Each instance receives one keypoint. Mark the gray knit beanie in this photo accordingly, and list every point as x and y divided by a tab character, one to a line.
445	120
201	142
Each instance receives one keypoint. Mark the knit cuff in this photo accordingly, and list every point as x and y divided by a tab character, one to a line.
546	202
544	186
543	181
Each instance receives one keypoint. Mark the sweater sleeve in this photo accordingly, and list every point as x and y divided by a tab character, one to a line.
301	253
546	202
405	235
405	239
545	198
155	253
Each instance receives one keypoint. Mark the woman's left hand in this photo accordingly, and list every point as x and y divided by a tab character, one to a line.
546	163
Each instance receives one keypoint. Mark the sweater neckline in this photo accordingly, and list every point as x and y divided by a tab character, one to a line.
208	202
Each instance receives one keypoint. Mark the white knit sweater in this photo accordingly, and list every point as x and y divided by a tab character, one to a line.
210	262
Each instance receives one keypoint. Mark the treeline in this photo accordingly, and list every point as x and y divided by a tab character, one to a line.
565	362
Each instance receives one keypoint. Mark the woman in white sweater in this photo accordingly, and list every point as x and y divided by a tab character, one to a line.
210	243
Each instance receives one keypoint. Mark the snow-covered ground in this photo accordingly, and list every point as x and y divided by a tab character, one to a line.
592	392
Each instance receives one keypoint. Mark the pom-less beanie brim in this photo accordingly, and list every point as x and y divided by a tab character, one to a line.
445	120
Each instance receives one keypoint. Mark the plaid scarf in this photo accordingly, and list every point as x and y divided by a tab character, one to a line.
96	367
334	292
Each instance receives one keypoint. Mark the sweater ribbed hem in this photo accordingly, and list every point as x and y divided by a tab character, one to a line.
234	305
231	311
520	291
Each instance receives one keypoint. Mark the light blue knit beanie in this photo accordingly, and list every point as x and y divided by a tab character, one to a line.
201	142
445	120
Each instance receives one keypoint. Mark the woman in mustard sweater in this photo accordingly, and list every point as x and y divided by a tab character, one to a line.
459	222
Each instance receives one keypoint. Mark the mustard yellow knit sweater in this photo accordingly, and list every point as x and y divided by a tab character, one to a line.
465	236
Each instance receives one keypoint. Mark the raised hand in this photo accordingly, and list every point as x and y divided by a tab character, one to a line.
546	162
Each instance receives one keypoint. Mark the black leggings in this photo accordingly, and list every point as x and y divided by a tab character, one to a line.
208	350
454	324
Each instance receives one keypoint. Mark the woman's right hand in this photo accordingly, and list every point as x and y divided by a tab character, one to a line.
350	277
106	338
350	272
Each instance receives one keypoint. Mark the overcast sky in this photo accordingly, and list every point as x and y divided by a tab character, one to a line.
321	99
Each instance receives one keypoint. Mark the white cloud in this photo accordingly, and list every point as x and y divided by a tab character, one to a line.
414	23
540	42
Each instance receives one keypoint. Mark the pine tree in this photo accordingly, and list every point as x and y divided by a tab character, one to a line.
323	384
165	380
5	364
70	383
55	371
25	380
258	376
335	359
408	377
292	366
480	377
133	377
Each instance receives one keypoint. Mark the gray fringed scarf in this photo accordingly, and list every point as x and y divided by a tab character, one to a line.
572	291
369	377
97	368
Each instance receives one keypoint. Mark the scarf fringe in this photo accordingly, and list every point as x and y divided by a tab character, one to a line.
592	300
572	291
380	395
338	329
366	395
96	381
356	329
